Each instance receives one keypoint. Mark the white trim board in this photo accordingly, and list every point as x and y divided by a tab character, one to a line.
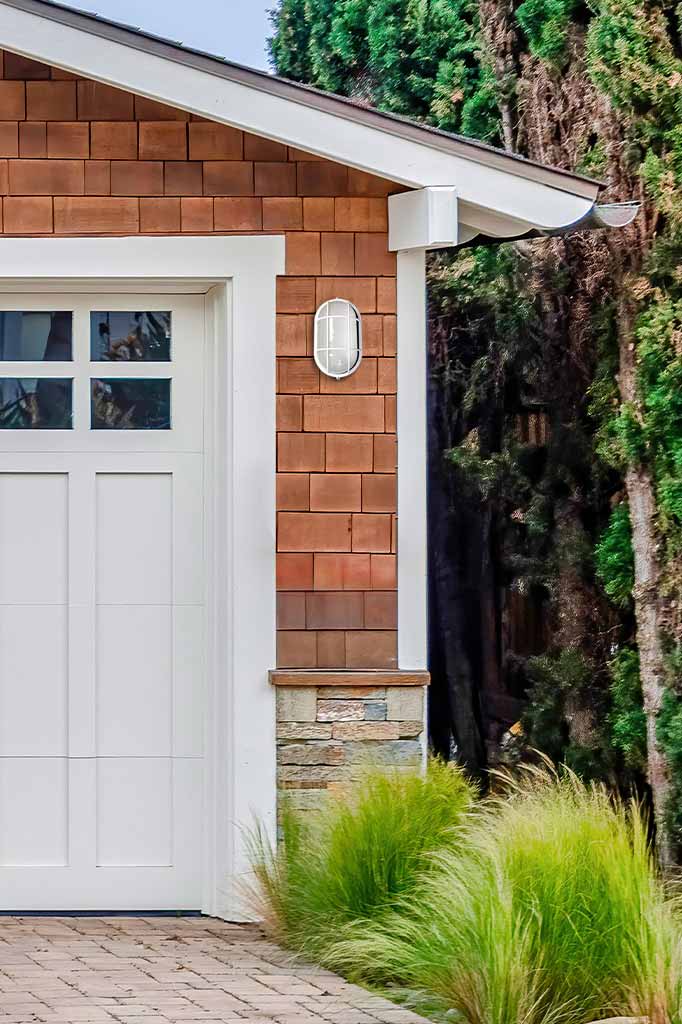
238	275
411	418
510	192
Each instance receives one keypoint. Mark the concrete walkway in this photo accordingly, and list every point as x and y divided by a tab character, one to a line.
168	971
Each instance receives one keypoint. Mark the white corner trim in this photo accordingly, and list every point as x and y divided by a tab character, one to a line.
425	218
412	537
238	275
344	140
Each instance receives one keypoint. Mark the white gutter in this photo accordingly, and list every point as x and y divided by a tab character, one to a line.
435	218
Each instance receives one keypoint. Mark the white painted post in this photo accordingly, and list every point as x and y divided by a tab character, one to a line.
412	540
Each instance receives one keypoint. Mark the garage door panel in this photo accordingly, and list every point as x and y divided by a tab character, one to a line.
33	811
33	680
134	680
134	811
134	538
33	538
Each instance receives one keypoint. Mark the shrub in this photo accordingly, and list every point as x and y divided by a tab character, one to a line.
345	866
615	557
627	719
550	911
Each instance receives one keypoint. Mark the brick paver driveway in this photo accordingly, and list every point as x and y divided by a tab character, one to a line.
166	971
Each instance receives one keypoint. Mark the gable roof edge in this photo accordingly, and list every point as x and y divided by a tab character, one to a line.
338	106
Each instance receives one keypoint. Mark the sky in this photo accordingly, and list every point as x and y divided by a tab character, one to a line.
236	29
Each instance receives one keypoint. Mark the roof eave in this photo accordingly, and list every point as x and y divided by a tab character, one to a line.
434	218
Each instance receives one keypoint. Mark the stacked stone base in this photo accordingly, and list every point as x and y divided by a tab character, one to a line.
327	735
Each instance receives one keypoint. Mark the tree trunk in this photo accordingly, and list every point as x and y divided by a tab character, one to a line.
497	21
574	617
642	505
507	126
455	727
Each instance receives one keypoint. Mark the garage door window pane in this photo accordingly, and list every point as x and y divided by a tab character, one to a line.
120	337
127	404
35	336
29	403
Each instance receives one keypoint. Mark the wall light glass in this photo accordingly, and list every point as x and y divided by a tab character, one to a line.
338	338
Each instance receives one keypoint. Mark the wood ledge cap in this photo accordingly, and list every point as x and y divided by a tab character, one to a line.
361	677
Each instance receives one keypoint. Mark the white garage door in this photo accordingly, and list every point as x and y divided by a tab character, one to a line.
101	601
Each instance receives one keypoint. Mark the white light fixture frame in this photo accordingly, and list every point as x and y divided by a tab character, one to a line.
337	320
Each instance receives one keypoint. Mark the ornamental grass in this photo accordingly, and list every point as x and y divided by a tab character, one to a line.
540	906
347	864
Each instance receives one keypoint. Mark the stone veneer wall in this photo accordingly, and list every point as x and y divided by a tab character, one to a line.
326	735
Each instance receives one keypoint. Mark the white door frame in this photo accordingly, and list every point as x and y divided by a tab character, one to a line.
238	275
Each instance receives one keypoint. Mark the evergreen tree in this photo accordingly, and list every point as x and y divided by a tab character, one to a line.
633	53
290	45
418	58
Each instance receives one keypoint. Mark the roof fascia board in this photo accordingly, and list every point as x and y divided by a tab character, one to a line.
346	140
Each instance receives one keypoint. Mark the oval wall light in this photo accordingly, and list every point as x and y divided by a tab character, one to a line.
338	338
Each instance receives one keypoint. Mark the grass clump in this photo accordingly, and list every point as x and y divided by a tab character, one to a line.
549	913
336	871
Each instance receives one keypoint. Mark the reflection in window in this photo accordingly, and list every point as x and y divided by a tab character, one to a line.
124	404
35	336
29	403
123	336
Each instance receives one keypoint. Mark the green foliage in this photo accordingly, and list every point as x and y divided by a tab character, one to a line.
626	719
615	558
558	682
548	910
670	728
543	718
620	438
629	435
646	434
603	394
289	46
486	477
546	24
479	117
594	161
419	58
633	56
659	335
345	865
